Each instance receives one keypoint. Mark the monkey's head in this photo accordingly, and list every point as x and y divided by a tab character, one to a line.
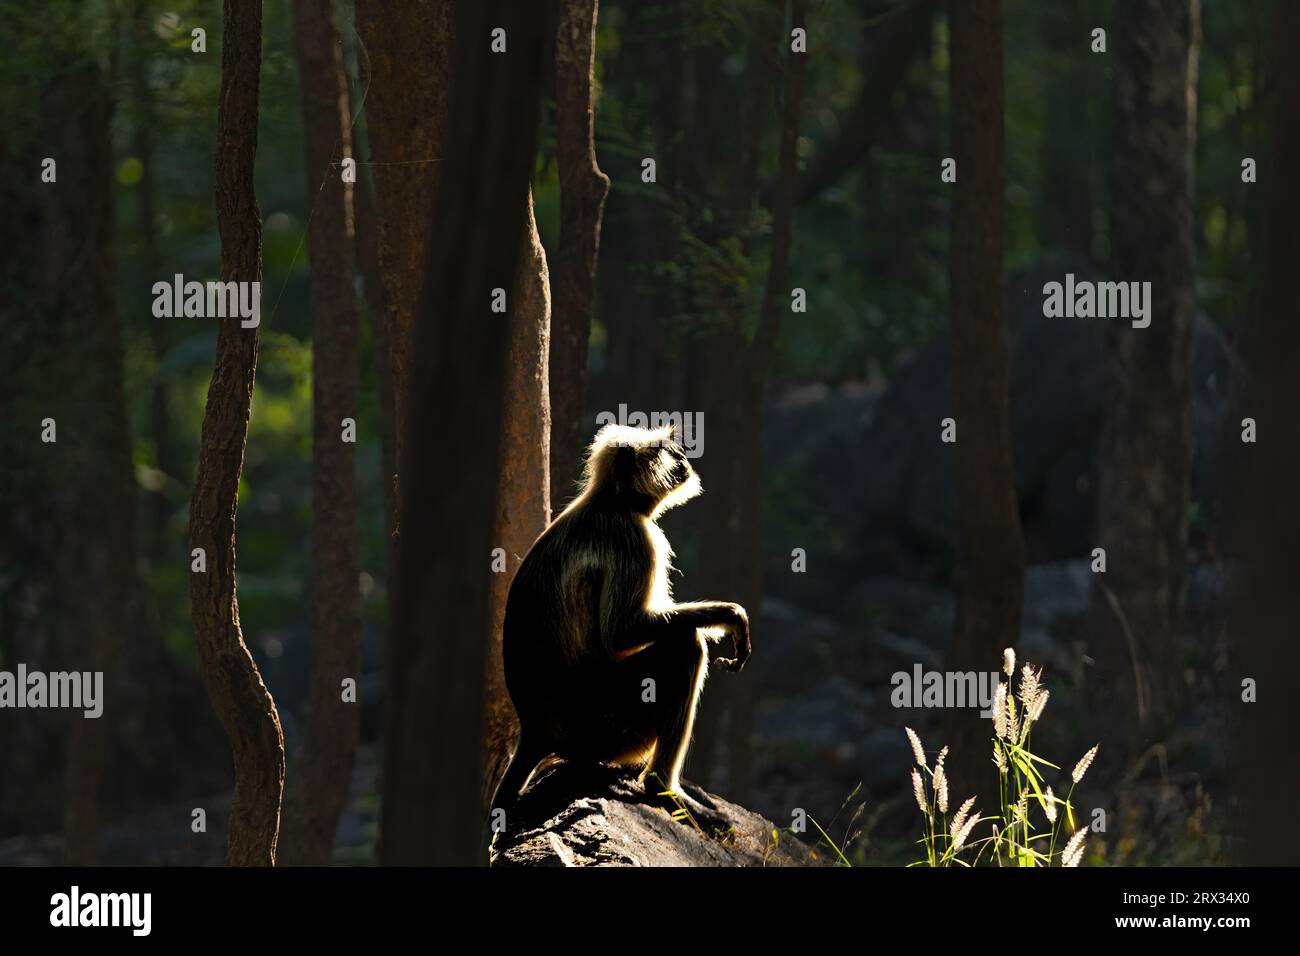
643	469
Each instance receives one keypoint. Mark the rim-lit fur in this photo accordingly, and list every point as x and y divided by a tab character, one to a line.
591	625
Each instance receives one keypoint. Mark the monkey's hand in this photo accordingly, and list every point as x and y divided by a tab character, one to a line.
739	628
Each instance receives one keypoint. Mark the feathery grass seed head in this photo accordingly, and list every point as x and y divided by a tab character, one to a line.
917	750
1084	763
1073	851
918	788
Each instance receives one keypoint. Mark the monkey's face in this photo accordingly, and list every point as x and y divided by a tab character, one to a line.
648	469
672	475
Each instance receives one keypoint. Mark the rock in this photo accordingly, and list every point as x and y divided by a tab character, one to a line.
831	715
578	815
872	484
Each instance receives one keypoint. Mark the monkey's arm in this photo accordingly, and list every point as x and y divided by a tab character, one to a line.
682	620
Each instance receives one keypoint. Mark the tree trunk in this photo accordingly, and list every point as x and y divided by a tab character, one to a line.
990	552
1266	774
377	313
67	549
1145	458
583	188
332	726
523	495
433	760
234	684
404	67
407	49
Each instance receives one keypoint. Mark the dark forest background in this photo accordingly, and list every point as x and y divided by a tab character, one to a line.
821	427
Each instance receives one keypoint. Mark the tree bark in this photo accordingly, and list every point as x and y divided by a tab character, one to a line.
235	687
67	548
407	50
1265	650
433	759
523	494
1145	458
317	798
583	188
990	551
404	66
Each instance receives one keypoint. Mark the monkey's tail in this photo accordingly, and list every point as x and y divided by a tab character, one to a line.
522	764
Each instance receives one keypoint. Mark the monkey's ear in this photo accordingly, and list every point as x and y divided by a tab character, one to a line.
624	468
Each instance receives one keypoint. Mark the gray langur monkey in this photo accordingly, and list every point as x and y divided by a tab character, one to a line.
590	620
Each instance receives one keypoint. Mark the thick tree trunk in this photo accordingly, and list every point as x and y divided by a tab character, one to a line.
317	796
404	66
583	188
990	551
406	51
1145	458
523	494
1266	650
234	684
433	760
67	549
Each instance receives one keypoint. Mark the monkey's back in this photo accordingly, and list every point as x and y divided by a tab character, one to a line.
590	568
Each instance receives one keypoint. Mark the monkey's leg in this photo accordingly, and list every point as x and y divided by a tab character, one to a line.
680	679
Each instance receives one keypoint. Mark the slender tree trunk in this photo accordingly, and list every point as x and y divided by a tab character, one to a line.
234	684
523	495
990	551
1266	774
1145	459
583	188
433	760
332	728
